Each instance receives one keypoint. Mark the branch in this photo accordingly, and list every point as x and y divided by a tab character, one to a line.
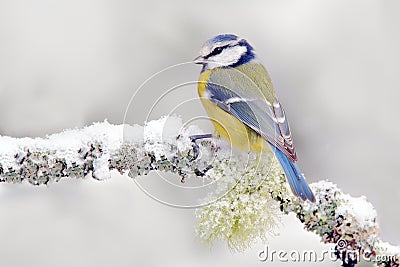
252	195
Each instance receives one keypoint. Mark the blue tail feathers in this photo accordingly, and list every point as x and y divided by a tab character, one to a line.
294	176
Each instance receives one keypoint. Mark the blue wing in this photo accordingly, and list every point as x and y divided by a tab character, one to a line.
238	95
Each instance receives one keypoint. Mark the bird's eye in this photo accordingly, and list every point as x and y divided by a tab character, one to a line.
216	51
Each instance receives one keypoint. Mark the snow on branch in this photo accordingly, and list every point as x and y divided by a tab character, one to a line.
254	196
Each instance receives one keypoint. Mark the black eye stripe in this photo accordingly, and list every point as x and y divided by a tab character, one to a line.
216	51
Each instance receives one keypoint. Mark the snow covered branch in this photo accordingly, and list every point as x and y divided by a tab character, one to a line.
98	149
252	195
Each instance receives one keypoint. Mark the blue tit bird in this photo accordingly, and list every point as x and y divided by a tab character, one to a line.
237	93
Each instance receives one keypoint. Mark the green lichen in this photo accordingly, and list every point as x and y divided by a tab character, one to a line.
247	212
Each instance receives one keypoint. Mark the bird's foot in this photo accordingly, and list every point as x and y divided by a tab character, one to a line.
196	148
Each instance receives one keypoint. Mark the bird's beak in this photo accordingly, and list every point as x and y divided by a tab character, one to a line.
199	60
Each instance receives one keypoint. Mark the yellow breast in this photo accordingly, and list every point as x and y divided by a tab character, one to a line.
226	125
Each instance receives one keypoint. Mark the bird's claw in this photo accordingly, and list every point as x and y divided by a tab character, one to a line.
196	148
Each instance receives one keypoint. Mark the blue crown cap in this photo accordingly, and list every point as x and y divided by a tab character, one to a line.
223	38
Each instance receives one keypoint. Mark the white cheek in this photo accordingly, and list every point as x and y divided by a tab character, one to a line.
229	56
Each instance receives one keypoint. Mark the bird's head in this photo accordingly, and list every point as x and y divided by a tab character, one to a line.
225	50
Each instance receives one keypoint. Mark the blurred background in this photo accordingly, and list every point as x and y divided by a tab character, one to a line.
66	64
